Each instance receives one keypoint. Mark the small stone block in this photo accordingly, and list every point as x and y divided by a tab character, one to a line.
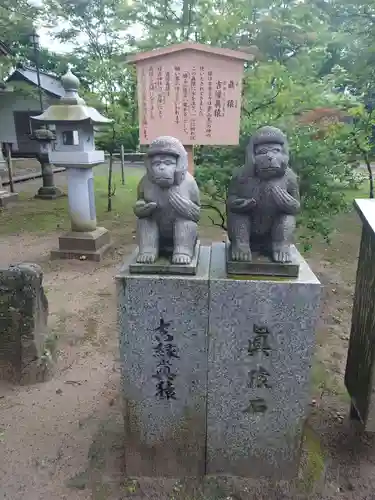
23	325
163	324
91	245
263	266
261	345
164	266
6	198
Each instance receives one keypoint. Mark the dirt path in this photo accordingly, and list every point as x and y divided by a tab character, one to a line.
63	439
47	428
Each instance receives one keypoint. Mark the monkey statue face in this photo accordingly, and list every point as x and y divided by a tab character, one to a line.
270	160
163	168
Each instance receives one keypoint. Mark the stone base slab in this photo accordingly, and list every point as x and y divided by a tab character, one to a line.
49	193
6	198
261	346
83	246
164	266
263	266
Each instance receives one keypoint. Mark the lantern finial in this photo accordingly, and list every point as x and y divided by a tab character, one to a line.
69	81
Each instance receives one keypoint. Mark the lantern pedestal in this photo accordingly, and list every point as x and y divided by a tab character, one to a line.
91	245
85	240
48	191
81	198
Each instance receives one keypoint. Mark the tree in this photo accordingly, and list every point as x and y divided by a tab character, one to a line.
352	64
271	96
303	52
98	30
288	32
16	22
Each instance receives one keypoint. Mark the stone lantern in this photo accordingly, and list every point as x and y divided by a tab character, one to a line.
45	138
74	149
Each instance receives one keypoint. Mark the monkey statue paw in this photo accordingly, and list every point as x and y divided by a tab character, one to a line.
241	253
180	258
281	253
147	257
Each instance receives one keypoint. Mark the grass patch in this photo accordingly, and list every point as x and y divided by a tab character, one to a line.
324	381
32	215
42	216
313	463
36	216
361	192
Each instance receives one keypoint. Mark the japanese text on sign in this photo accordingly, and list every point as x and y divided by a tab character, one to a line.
193	101
259	377
165	351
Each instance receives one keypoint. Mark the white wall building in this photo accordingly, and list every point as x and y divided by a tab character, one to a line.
16	108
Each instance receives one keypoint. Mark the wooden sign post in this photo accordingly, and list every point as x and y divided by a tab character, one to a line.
192	92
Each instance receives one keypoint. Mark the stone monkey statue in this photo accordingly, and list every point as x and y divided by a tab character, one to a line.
168	206
263	199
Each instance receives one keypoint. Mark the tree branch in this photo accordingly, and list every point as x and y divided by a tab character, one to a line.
222	223
263	104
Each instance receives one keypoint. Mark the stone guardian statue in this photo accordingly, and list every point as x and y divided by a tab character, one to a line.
168	205
263	200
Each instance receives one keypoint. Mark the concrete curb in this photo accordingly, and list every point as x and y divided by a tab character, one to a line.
38	175
29	177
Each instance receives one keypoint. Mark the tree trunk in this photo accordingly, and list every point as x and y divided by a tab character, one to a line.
10	169
122	165
370	176
109	205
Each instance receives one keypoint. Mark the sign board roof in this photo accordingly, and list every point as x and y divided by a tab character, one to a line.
198	47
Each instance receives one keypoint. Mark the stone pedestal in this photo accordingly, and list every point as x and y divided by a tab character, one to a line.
81	198
48	191
85	240
261	265
163	323
91	245
163	265
261	344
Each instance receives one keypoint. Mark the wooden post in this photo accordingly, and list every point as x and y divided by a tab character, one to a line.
9	164
359	374
122	165
190	152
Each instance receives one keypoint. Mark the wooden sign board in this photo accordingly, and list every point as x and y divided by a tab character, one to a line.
191	92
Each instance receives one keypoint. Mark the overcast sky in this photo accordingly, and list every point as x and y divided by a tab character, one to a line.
47	40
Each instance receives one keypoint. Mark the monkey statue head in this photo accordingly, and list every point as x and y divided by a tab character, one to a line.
267	154
166	161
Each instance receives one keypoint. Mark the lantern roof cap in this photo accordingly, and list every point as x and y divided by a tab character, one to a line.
72	113
71	108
